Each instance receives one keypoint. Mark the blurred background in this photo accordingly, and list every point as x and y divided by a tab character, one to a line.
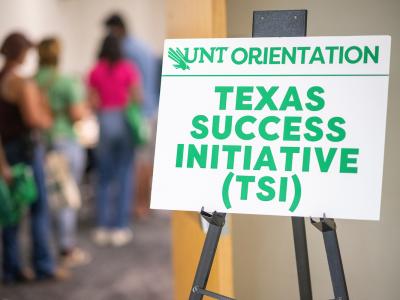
141	268
79	25
67	47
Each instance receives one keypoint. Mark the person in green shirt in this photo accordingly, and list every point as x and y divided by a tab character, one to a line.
66	101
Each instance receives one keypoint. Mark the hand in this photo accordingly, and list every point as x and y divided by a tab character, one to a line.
6	174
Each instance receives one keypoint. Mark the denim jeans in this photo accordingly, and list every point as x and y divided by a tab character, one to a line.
42	260
115	155
67	216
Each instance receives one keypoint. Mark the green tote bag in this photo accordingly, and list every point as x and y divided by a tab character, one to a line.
137	123
17	197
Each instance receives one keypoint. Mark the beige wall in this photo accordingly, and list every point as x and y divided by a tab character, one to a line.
79	24
264	264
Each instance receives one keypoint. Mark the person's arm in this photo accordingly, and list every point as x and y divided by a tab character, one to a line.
35	111
136	91
78	108
5	170
136	94
79	111
93	99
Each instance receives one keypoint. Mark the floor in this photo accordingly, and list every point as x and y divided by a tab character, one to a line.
139	271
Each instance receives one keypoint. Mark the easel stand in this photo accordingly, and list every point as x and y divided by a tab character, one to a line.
302	263
326	226
328	229
216	223
277	24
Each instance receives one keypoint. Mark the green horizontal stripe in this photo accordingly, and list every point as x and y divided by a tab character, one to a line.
273	75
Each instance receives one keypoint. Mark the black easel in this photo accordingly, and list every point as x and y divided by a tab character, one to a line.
283	23
328	229
216	223
289	23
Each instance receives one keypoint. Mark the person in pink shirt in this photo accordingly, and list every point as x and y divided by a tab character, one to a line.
113	83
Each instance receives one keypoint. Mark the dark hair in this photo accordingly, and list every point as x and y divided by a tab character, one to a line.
115	20
49	51
111	49
14	45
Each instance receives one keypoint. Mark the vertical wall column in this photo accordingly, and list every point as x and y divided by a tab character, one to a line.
197	19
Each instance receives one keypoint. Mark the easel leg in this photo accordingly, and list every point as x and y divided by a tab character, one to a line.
216	221
303	268
289	23
328	229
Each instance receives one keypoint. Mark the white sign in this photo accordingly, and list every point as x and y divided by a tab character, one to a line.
274	126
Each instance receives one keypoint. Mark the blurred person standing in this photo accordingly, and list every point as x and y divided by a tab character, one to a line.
65	98
141	55
113	82
21	112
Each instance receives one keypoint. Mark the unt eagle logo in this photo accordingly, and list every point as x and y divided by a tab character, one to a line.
179	59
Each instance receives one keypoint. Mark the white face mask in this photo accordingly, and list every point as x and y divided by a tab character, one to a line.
29	66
